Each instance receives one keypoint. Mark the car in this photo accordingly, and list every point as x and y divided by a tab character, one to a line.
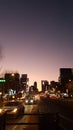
64	95
13	109
30	100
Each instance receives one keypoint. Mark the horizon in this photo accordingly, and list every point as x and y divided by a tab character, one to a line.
36	37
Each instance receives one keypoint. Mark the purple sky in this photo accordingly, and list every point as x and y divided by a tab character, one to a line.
36	37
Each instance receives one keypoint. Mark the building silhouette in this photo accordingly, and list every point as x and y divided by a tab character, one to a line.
66	75
12	81
44	85
24	82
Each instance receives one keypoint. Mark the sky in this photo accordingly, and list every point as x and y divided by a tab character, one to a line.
36	38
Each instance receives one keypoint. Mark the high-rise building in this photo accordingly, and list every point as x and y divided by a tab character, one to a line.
66	75
45	85
12	81
66	72
35	87
24	82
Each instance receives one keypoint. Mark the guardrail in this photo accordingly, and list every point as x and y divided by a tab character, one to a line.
46	121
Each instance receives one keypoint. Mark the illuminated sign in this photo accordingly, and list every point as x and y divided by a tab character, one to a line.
2	80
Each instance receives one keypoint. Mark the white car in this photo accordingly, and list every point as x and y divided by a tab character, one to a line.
30	100
64	95
13	109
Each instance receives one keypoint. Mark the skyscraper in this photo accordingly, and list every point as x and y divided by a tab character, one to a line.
24	81
12	81
66	75
45	85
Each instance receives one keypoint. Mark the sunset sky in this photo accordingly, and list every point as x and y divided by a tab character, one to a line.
36	37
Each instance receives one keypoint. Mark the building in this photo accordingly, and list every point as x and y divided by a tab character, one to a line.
44	85
12	81
66	76
24	82
35	87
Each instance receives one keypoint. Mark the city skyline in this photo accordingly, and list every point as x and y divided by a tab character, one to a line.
36	38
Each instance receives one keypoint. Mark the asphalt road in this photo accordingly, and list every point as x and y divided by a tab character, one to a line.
25	118
47	107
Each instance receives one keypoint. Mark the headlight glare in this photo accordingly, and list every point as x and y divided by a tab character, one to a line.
1	110
31	101
26	101
15	110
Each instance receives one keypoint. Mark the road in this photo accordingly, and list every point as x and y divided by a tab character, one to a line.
24	118
44	106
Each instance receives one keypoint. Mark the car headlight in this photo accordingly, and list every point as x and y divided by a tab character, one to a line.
15	110
1	110
26	101
31	101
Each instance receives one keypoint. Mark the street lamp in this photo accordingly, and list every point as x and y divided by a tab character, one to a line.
12	74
